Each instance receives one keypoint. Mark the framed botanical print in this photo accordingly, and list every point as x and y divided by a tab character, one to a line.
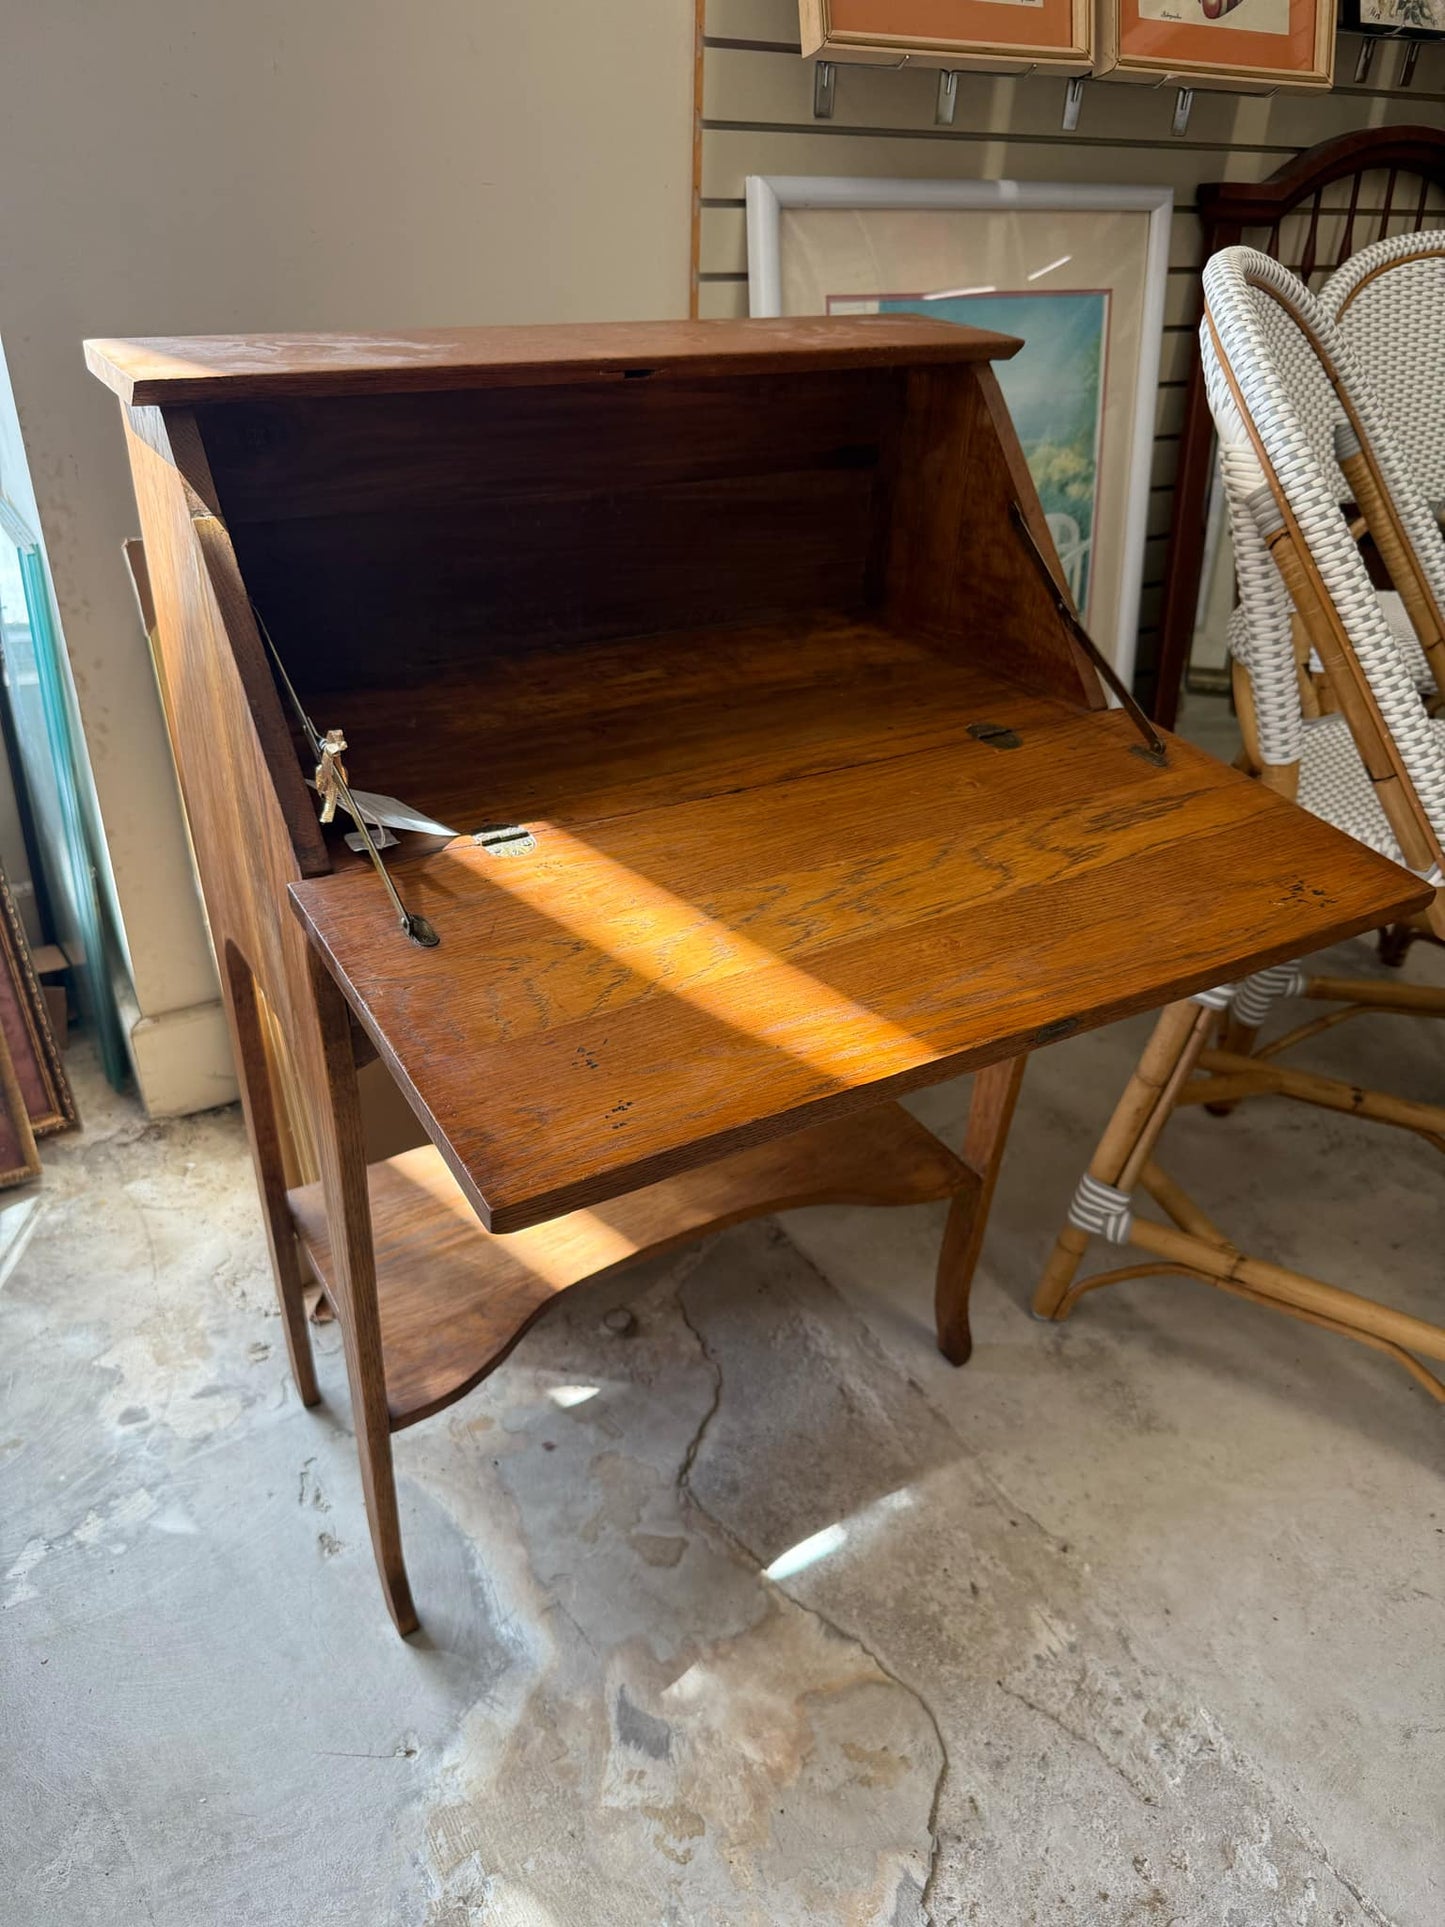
1401	19
993	35
1247	46
1077	272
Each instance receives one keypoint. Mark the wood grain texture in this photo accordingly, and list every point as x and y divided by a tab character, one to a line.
261	1097
455	1299
643	722
488	448
955	567
435	530
990	1118
352	1288
438	590
181	370
219	721
775	878
657	985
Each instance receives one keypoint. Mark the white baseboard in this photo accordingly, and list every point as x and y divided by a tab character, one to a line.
182	1059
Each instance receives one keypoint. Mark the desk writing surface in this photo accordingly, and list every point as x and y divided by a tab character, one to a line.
762	897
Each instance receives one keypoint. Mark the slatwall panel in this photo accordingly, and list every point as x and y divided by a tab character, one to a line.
757	118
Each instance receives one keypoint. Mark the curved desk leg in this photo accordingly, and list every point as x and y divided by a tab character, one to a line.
342	1156
995	1092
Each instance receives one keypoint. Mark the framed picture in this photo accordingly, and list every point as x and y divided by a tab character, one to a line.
19	1159
1247	46
1401	19
996	36
25	1029
1077	272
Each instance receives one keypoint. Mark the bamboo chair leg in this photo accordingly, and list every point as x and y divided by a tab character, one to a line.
263	1124
1257	1076
1240	1038
1131	1134
1173	1199
995	1093
1353	997
1415	1000
1371	1323
348	1213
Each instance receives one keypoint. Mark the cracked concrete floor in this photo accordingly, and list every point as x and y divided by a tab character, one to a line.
761	1614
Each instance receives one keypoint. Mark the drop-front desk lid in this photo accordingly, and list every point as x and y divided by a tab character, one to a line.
724	932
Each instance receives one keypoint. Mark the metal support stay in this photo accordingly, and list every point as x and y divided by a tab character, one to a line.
413	925
1154	750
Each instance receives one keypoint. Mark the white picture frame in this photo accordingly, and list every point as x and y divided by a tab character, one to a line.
1050	209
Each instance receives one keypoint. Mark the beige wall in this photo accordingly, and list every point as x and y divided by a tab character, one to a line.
185	168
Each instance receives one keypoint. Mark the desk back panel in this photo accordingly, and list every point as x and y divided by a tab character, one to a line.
395	537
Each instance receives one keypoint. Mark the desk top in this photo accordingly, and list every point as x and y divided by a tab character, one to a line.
176	370
776	879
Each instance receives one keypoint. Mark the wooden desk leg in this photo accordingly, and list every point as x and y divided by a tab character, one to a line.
258	1098
995	1092
342	1156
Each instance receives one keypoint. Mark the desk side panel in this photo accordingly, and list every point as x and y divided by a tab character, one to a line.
245	854
956	569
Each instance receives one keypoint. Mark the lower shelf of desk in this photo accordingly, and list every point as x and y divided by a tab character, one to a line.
455	1298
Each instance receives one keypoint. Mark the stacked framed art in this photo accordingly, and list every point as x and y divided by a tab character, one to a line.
1056	36
1247	46
1078	272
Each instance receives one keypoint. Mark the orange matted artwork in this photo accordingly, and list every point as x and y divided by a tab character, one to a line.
1250	44
994	35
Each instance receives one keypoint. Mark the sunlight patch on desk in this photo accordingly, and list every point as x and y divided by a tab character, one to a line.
697	958
549	1251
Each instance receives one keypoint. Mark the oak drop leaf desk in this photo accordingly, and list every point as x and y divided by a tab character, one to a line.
736	621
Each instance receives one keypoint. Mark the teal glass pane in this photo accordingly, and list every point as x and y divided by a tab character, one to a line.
46	733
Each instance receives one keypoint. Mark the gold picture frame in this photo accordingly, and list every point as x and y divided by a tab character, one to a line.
32	1052
19	1157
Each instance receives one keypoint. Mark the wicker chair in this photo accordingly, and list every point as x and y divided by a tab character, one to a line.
1388	306
1279	379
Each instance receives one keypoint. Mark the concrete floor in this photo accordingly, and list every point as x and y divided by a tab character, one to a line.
761	1614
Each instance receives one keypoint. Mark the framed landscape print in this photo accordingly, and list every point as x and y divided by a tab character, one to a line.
1244	45
1078	273
994	35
